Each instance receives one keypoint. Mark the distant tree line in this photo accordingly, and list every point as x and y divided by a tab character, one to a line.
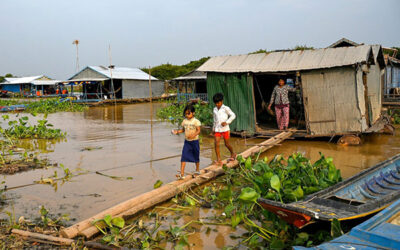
2	78
169	71
297	47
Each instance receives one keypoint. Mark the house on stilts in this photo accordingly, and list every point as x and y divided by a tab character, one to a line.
31	86
99	82
340	89
192	85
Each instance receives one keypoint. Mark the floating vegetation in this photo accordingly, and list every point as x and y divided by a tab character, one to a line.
20	129
119	178
9	102
90	148
45	223
157	184
14	159
395	115
57	179
174	113
288	180
54	105
233	200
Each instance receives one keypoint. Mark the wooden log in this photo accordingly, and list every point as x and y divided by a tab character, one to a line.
73	230
149	199
42	238
96	245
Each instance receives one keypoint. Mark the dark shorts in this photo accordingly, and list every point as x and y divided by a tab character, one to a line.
191	151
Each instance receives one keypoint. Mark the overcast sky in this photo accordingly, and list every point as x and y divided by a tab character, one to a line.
36	35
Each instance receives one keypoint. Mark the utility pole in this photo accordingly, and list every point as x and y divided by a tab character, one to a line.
111	67
150	90
76	42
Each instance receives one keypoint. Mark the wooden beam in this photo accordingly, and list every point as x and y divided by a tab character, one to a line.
42	238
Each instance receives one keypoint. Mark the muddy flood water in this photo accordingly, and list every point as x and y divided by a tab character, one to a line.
129	141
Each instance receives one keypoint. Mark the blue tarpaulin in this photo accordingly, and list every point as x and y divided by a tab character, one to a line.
11	87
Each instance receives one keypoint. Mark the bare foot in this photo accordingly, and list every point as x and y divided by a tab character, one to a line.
217	162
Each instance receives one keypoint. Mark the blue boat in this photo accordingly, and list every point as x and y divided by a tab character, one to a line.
379	232
364	194
11	108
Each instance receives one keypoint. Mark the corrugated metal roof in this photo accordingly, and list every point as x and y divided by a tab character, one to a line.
289	60
45	82
20	80
120	73
193	75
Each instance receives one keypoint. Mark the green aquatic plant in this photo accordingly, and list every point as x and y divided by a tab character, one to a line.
291	179
54	105
395	115
110	227
20	129
173	113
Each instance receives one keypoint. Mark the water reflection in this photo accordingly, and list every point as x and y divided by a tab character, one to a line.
40	145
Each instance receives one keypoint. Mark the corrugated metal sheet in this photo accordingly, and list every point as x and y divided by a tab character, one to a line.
289	60
117	73
45	82
331	101
20	80
193	75
238	95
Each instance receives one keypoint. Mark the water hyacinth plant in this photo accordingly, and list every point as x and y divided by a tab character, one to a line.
174	113
233	202
20	129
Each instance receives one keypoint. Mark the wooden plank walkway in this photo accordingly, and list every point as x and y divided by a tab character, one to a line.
147	200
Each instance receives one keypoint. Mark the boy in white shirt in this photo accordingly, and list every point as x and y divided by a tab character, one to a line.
223	116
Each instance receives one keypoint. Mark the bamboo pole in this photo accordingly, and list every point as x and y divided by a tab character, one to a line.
149	199
42	238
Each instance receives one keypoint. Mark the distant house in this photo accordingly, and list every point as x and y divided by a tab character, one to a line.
100	82
390	89
30	85
392	80
192	85
339	88
344	42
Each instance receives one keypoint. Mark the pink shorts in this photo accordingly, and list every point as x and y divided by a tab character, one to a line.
225	134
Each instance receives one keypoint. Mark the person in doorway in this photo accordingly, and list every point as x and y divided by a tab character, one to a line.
223	116
191	147
280	97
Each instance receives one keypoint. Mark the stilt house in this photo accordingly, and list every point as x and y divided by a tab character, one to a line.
192	85
121	82
339	89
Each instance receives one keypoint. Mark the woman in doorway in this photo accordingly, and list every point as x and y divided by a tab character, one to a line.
280	95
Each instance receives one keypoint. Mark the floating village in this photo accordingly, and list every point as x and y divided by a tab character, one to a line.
310	159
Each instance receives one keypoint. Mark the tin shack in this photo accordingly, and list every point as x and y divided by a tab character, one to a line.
339	89
99	82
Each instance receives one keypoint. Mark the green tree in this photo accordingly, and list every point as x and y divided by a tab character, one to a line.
259	51
169	71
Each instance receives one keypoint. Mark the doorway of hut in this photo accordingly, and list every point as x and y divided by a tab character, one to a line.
107	88
263	86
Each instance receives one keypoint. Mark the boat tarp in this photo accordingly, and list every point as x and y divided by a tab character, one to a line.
238	95
12	87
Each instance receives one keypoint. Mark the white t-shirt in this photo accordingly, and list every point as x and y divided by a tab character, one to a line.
223	114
